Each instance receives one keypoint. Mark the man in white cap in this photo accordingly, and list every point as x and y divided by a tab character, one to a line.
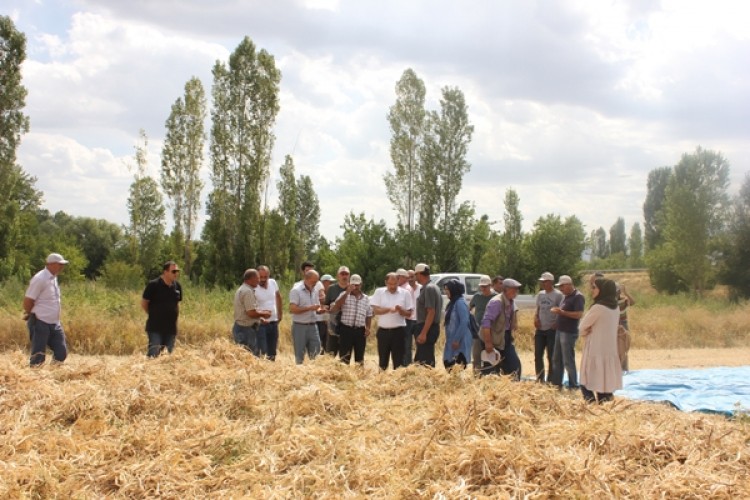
324	317
478	306
42	311
408	281
545	323
354	326
568	313
429	312
498	324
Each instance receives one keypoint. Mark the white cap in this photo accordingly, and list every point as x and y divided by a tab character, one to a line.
547	277
564	280
421	268
485	280
356	279
402	272
492	358
56	258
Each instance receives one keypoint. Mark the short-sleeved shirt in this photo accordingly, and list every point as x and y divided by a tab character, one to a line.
573	302
163	306
333	293
355	310
414	294
544	302
383	298
300	296
45	293
479	302
267	298
429	297
245	300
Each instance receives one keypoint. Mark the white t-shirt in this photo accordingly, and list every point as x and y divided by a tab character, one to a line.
45	293
267	298
384	298
413	293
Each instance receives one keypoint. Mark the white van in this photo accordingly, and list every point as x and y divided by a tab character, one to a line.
471	283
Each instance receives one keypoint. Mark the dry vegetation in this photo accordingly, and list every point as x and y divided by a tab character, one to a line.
215	422
212	421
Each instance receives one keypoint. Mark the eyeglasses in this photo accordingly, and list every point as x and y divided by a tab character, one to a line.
344	273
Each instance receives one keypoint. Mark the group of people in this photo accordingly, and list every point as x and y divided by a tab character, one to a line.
334	316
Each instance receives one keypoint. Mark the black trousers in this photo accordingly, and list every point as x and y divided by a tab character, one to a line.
351	338
425	353
544	340
323	333
391	345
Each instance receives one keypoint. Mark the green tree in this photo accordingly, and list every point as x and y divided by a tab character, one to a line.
696	205
366	247
653	215
19	198
599	245
406	119
736	272
511	240
617	238
288	210
481	241
308	216
635	246
554	245
245	104
181	163
146	209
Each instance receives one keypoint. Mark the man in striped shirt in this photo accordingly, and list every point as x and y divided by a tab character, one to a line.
356	315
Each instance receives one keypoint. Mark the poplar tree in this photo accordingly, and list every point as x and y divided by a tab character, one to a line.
245	104
19	198
635	246
406	119
617	237
146	209
181	163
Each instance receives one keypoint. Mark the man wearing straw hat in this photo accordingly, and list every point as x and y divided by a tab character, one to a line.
42	311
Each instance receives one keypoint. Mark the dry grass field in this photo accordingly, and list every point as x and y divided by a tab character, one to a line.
211	421
215	422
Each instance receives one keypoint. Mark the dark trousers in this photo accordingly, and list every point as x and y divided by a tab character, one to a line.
408	342
158	342
510	364
391	344
270	333
43	334
425	353
351	338
323	332
544	340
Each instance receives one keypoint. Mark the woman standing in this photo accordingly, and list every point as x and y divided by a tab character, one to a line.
457	334
601	373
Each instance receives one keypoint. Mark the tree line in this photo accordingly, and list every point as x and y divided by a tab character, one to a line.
694	235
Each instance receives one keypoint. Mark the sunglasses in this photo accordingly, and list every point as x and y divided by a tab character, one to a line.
175	271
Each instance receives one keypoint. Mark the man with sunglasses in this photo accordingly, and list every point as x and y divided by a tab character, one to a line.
161	301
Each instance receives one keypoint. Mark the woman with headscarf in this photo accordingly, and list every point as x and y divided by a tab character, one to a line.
601	374
457	334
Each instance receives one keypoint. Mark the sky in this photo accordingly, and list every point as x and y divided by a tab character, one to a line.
573	102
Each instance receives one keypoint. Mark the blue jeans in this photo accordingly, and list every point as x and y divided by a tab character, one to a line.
564	358
246	336
305	338
268	339
158	341
42	335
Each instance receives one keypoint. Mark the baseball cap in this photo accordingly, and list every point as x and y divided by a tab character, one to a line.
356	279
485	280
402	272
327	277
343	269
511	283
547	277
564	280
491	358
56	258
421	268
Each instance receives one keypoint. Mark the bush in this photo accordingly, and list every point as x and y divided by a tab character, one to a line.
661	271
122	275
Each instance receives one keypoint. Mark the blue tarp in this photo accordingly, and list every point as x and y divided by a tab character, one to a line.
716	390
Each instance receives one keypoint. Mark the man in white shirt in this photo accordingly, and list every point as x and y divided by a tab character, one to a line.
42	311
392	304
269	298
413	288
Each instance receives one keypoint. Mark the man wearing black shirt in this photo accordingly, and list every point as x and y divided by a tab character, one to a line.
333	292
161	300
